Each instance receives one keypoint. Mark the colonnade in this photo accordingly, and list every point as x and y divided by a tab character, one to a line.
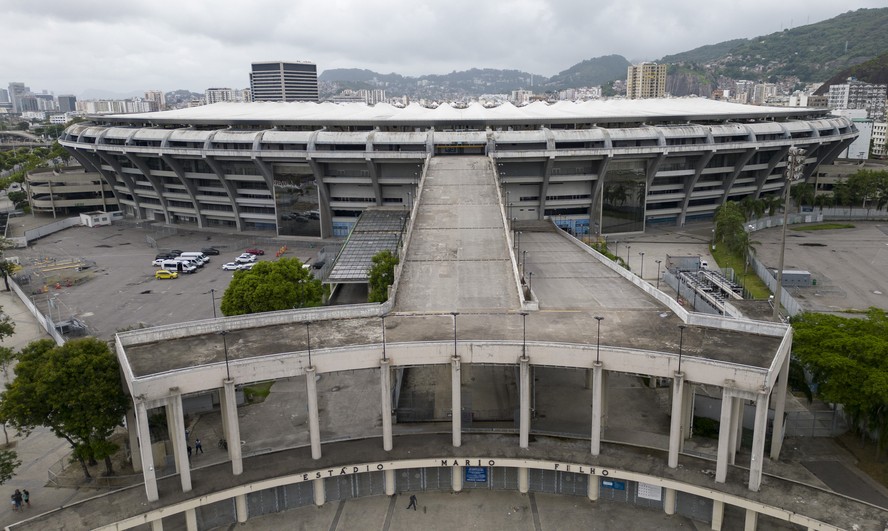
730	432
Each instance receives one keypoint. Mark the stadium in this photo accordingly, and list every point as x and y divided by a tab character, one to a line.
483	370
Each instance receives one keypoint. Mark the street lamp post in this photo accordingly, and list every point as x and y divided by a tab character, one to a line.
524	334
454	314
213	295
598	341
628	248
681	328
641	273
308	340
224	333
530	283
795	164
658	272
383	338
523	262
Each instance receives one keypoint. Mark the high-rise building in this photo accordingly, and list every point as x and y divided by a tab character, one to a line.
67	103
279	81
217	95
4	95
46	102
646	80
879	146
16	92
859	95
158	97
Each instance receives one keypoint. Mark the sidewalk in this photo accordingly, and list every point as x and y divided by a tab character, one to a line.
41	448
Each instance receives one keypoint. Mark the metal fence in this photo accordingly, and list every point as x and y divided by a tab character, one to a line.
815	423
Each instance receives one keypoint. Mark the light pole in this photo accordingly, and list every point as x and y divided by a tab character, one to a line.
383	338
524	334
410	201
598	341
523	262
658	272
795	164
224	333
681	336
616	247
308	340
454	314
641	273
530	283
213	295
628	248
517	240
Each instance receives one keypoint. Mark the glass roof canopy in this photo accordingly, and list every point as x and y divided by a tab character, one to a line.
376	230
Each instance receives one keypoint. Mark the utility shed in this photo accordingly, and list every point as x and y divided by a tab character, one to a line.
95	219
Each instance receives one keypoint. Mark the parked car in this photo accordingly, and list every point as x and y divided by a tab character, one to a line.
163	273
163	256
210	251
254	250
188	269
319	264
174	252
245	258
159	262
247	267
231	266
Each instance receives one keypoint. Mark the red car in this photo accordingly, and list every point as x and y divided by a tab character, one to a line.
255	251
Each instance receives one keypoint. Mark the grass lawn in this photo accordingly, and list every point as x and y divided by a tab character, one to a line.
753	284
822	226
257	392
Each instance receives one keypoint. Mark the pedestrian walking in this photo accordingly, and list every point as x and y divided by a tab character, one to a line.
198	448
189	451
26	496
17	500
412	502
14	506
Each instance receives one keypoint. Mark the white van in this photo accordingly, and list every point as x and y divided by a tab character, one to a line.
189	260
200	257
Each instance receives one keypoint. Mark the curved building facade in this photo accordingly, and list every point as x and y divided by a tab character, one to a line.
307	169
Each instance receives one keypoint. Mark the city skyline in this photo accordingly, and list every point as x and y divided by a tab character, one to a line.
145	46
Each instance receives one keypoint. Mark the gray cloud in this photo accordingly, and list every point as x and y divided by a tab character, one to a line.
133	46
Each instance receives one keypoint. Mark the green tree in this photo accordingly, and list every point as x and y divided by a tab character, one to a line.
381	275
848	360
73	389
8	463
279	285
730	223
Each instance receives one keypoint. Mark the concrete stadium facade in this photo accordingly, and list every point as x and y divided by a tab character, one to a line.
306	169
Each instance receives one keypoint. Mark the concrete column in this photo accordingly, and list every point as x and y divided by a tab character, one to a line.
524	407
675	424
456	401
756	462
669	498
687	427
457	476
778	397
176	428
388	478
133	434
604	403
751	520
718	514
523	480
385	386
735	436
594	488
240	508
320	495
724	437
148	472
231	426
314	426
597	406
157	525
191	520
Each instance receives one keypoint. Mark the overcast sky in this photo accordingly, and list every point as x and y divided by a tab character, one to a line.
126	46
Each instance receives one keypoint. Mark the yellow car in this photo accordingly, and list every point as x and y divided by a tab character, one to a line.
163	273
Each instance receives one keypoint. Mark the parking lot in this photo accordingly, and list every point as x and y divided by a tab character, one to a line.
104	276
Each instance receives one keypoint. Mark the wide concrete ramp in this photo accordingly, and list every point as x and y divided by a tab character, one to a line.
458	259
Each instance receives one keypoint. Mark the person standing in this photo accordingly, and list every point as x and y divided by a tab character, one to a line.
412	502
26	497
17	500
198	448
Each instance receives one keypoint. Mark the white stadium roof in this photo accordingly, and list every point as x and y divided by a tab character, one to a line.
604	110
